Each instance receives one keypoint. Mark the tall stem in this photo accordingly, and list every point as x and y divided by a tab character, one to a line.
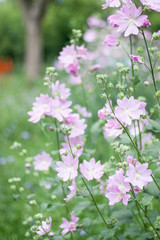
146	215
59	156
151	66
132	64
92	197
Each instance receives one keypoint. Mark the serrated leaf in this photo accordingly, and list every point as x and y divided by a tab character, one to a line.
153	190
154	125
146	200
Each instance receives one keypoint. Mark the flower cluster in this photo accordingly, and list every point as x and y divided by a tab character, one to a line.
119	184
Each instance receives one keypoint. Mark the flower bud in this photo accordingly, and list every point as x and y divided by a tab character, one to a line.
140	50
155	36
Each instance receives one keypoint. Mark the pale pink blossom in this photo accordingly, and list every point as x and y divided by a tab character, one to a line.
81	52
139	175
136	58
61	109
67	168
72	189
112	129
74	67
136	190
41	107
131	160
111	3
105	111
83	111
130	19
152	4
129	109
113	20
45	227
42	161
78	125
95	22
158	33
110	40
95	67
76	80
74	143
90	35
60	90
117	188
69	226
92	169
67	56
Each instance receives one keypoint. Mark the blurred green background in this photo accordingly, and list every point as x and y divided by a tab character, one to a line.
17	94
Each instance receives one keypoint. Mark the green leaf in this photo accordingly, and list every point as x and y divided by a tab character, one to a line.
146	200
153	190
137	80
154	125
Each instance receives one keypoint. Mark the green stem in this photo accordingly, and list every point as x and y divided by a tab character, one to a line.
151	66
59	156
132	64
140	136
134	196
146	215
92	197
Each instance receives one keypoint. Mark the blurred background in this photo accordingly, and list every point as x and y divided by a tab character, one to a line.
32	33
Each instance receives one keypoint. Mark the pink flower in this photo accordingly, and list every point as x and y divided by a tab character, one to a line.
74	67
95	67
111	3
152	4
113	20
60	90
158	33
74	142
105	111
130	19
82	52
42	161
95	22
90	35
67	169
72	189
76	80
69	226
146	23
83	111
129	109
112	129
91	170
131	160
110	40
136	190
117	188
136	58
43	106
45	227
67	56
78	125
61	109
138	175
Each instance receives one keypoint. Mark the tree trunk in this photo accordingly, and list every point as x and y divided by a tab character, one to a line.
33	12
33	48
